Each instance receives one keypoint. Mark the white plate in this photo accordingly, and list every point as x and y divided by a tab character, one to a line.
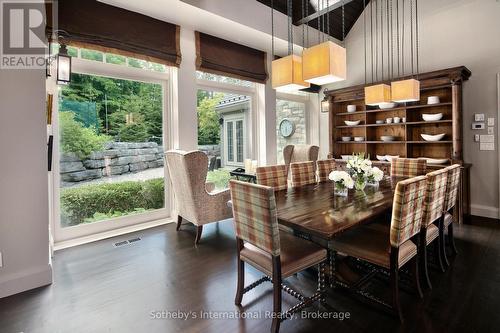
379	122
390	157
437	160
385	106
432	138
387	138
346	157
359	138
352	122
381	158
432	117
346	138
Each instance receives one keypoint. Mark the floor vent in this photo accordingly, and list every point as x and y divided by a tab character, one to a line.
125	242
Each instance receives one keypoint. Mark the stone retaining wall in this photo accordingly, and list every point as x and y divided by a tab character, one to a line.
116	159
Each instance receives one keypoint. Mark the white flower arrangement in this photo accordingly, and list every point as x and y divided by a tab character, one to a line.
358	165
341	178
374	174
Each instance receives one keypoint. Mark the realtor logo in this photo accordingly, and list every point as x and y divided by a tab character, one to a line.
23	41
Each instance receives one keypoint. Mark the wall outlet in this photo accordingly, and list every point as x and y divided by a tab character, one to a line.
477	126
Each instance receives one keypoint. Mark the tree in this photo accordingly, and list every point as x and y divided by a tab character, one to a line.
208	121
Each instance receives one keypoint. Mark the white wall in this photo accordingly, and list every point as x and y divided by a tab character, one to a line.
24	236
453	33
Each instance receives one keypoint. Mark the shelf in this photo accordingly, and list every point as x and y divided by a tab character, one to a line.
397	124
399	108
363	142
429	142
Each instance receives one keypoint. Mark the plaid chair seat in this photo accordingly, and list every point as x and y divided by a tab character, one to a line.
325	167
408	167
303	173
274	176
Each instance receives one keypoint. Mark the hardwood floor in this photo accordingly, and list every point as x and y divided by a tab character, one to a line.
101	288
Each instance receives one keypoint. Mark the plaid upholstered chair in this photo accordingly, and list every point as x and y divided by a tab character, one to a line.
299	153
408	167
450	201
432	219
277	255
324	167
196	200
303	173
274	176
391	248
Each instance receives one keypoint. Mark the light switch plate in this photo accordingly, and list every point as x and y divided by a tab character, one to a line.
486	146
491	121
477	126
477	137
479	117
487	138
491	130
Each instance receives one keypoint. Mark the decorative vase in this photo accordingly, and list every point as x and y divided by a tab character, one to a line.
372	183
360	183
340	189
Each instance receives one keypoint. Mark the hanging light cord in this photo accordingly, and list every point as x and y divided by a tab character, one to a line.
343	22
303	27
376	41
403	40
382	37
328	20
371	37
392	39
416	28
411	36
290	32
397	34
364	33
272	29
307	25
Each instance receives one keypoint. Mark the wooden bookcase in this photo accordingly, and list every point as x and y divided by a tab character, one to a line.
447	84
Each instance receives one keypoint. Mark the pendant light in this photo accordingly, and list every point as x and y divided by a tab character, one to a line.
287	71
408	90
326	62
379	93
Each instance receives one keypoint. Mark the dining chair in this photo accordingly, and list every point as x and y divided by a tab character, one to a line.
299	153
449	207
324	168
408	167
274	176
432	220
278	255
391	248
196	200
303	173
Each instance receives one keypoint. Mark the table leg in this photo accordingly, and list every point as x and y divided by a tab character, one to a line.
331	276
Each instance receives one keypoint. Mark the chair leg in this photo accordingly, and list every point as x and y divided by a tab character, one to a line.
451	240
199	230
437	254
416	277
423	258
179	222
241	282
394	281
275	327
442	244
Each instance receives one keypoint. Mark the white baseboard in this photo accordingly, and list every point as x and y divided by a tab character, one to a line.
19	282
485	211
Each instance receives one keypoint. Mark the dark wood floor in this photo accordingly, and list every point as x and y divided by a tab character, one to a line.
100	288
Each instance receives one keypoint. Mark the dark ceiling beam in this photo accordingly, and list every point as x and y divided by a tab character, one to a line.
322	12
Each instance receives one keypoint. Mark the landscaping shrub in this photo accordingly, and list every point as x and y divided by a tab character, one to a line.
220	178
75	138
98	201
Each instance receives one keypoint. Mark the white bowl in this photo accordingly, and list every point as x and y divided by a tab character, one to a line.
346	157
381	157
351	108
359	138
387	138
437	160
390	157
352	122
379	122
432	138
346	138
385	106
433	100
432	117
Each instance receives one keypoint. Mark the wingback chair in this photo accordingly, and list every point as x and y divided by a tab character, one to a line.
300	153
196	202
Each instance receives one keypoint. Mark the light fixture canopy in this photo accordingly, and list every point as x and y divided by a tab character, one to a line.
324	63
377	94
287	74
63	66
405	91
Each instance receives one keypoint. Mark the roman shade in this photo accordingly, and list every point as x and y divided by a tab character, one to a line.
218	56
95	25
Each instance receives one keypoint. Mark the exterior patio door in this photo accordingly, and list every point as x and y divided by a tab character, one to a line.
234	140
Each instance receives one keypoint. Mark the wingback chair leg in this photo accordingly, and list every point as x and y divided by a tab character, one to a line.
414	270
275	327
451	240
442	244
437	254
179	222
241	275
394	280
199	230
423	258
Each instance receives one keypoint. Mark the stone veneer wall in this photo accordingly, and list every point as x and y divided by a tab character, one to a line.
116	159
295	112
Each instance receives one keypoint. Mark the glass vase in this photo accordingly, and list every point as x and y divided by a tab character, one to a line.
360	183
372	183
341	190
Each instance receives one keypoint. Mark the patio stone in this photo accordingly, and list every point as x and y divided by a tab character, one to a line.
71	167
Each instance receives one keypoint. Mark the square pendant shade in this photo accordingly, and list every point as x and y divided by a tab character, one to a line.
377	94
405	91
287	74
324	63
